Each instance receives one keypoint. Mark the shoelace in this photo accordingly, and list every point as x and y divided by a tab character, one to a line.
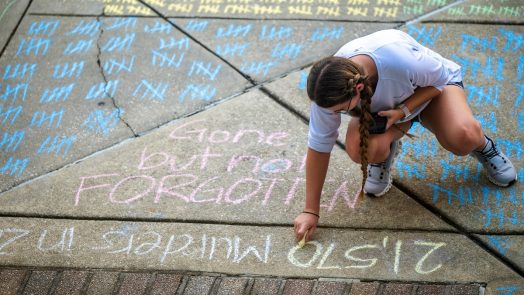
491	153
379	165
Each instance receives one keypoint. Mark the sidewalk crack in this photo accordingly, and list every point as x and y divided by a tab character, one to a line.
99	63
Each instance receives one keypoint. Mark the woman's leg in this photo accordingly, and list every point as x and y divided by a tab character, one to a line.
449	117
378	144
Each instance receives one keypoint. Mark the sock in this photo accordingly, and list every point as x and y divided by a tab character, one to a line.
485	144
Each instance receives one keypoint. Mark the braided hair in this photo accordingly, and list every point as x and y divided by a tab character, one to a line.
333	81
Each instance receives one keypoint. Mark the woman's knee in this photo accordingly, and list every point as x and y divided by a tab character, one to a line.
353	149
376	151
463	139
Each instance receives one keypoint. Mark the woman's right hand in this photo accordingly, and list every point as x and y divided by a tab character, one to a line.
305	222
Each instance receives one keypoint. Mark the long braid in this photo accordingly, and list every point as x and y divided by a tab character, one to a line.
365	119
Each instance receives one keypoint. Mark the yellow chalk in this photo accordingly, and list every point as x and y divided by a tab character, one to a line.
303	241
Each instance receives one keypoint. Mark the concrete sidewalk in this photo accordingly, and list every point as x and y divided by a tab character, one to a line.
164	141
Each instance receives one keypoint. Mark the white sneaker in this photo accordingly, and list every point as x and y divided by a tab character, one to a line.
499	168
379	177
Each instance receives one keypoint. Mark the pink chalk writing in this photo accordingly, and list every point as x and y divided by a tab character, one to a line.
223	136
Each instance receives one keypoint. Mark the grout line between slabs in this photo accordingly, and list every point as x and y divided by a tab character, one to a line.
13	32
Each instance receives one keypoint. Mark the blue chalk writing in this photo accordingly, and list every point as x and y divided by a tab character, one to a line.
260	67
417	128
99	122
158	27
68	70
496	196
11	142
204	69
40	118
78	47
520	67
34	46
505	216
57	94
166	60
493	68
19	71
87	28
100	90
520	122
12	166
479	96
477	43
128	23
303	80
180	44
488	122
421	149
502	206
196	26
520	96
236	49
58	145
114	66
495	71
424	35
512	148
151	91
119	43
410	170
514	40
508	290
273	32
44	27
321	34
198	92
502	244
463	195
14	92
461	171
290	50
233	31
10	112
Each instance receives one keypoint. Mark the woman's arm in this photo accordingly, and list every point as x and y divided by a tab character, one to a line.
421	96
316	169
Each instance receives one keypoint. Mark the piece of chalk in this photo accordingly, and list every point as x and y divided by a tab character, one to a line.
302	242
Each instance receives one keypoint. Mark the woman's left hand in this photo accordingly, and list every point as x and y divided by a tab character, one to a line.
393	116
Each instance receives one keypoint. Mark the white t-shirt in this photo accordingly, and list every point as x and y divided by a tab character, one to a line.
402	65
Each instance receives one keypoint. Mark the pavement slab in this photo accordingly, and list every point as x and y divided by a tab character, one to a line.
509	246
219	165
361	10
266	49
11	11
482	11
73	86
247	250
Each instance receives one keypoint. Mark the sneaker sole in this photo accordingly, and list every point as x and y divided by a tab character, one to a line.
492	180
390	183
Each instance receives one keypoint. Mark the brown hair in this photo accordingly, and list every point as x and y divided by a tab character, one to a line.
332	81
